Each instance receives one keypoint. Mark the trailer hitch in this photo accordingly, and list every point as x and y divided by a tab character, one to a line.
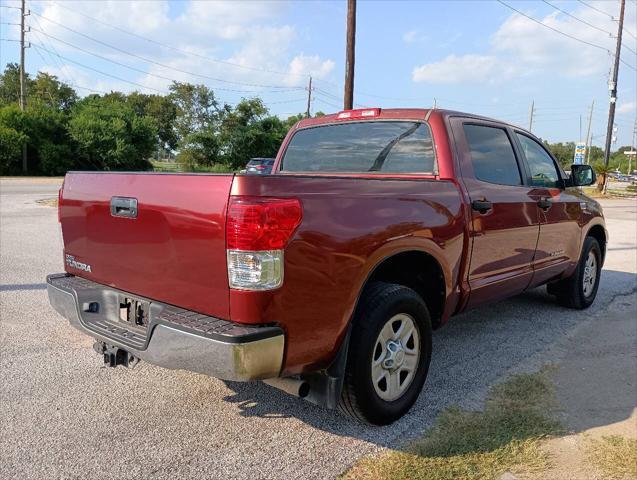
115	356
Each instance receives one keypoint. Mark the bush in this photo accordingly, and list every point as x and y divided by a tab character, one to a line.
110	136
11	142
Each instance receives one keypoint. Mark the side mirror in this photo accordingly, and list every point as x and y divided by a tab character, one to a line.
582	175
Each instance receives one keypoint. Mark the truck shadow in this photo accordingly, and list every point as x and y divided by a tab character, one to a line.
472	352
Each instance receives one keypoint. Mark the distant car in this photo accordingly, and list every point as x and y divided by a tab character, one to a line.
260	166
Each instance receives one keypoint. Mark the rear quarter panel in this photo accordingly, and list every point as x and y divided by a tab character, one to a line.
349	226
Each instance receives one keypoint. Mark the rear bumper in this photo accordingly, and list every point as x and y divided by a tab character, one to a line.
174	338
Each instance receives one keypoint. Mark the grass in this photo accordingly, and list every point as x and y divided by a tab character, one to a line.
505	436
182	167
616	456
48	202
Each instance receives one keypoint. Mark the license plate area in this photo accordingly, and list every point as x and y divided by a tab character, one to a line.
134	312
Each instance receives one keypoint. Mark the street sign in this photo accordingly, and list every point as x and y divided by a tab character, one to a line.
580	153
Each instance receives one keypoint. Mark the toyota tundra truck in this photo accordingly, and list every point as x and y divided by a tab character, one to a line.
326	278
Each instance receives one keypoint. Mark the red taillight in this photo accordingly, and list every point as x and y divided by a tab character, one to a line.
361	113
261	223
260	167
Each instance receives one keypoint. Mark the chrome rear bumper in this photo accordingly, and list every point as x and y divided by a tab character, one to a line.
174	338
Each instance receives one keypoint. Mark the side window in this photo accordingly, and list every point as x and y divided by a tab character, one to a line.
492	155
543	171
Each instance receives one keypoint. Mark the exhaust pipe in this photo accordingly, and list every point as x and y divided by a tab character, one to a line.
293	386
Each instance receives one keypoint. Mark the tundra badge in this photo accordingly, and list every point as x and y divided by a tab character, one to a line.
71	262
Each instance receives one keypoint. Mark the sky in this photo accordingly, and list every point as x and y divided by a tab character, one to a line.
475	56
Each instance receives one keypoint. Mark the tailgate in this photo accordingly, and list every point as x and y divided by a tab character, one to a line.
171	249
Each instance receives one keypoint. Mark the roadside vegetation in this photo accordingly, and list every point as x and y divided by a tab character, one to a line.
615	456
115	131
190	127
505	436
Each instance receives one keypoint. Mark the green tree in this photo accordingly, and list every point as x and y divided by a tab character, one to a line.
201	148
10	84
49	91
563	152
247	131
602	172
50	150
196	107
110	136
11	142
163	113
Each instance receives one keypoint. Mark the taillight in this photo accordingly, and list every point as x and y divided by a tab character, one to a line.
257	231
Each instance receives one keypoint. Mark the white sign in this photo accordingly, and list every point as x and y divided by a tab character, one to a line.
580	153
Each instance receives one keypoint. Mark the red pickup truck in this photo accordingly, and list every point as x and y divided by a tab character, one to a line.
326	278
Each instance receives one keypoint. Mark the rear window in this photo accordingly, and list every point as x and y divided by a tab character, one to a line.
357	147
492	155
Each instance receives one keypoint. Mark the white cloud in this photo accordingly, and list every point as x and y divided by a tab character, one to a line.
522	48
454	70
627	107
304	64
248	34
414	36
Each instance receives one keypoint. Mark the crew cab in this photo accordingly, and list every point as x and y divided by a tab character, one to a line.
326	278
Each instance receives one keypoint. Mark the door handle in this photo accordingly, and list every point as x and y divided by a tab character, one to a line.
124	207
544	204
482	206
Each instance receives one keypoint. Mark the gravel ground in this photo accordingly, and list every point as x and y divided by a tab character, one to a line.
63	416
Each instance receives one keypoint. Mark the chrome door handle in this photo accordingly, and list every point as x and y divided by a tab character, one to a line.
124	207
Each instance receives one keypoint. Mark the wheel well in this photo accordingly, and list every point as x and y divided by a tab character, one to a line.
419	271
598	233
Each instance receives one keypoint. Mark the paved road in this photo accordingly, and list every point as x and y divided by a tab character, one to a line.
61	415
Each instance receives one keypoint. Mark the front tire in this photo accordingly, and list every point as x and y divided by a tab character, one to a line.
580	289
388	356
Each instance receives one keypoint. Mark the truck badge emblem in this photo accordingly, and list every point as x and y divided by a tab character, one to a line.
71	262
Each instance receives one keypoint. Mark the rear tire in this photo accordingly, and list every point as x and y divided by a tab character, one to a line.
388	356
579	290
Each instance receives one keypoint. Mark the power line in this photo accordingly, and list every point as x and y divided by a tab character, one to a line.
608	15
184	52
589	24
576	18
596	9
551	28
37	46
330	104
56	58
162	77
139	57
563	33
62	67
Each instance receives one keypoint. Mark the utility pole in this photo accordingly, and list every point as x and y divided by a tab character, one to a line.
588	134
309	98
612	86
531	112
348	96
23	87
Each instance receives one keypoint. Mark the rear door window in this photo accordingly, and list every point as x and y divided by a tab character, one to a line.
362	147
492	155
